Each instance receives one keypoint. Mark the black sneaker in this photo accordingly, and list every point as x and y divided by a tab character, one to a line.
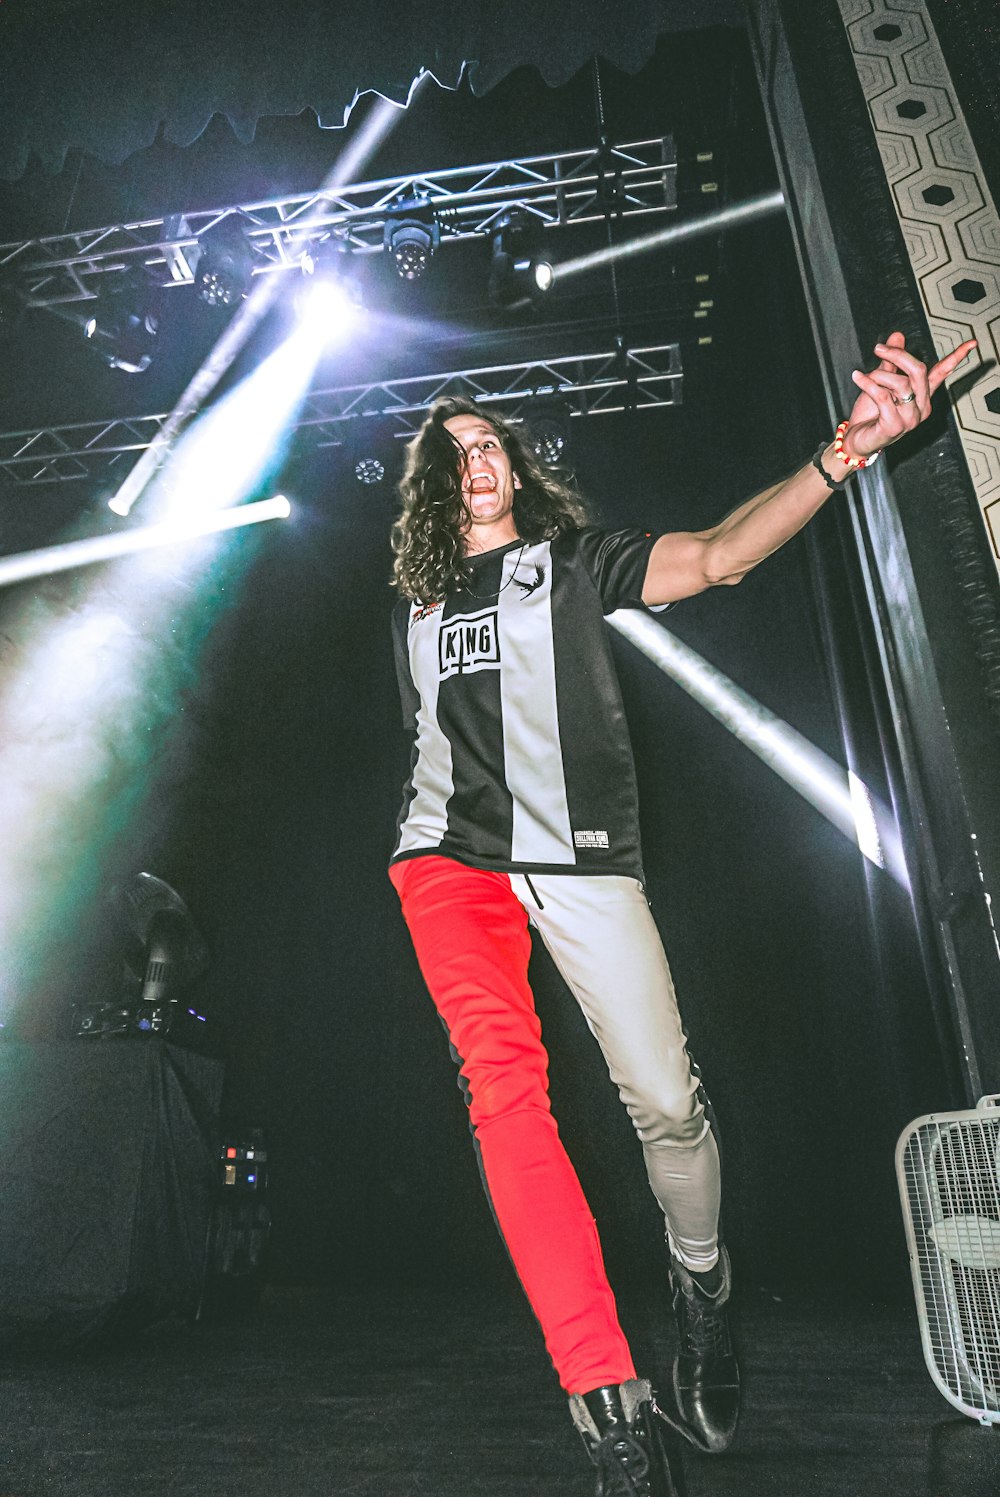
706	1372
634	1452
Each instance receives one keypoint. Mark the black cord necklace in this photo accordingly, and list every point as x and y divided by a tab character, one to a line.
483	597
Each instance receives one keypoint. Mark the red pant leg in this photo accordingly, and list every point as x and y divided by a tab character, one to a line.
471	939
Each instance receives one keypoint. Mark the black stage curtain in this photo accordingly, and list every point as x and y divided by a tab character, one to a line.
969	33
108	1175
106	75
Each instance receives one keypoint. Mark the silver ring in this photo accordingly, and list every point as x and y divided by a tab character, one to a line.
905	399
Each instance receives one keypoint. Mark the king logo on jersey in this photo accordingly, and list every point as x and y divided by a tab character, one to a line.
467	643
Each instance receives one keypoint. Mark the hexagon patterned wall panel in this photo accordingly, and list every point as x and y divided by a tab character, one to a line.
948	218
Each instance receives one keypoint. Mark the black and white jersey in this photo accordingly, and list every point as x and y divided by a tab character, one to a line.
521	757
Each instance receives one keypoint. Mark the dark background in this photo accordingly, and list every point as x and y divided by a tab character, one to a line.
276	820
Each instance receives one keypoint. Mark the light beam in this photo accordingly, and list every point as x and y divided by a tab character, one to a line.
837	793
252	311
95	673
84	553
234	449
97	667
735	217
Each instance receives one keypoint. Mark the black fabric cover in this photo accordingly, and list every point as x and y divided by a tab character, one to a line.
105	74
108	1174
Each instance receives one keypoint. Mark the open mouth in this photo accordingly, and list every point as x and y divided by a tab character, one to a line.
482	483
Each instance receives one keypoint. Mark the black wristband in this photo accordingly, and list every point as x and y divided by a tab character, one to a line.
817	462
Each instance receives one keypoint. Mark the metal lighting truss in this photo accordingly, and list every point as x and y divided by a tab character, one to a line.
588	384
571	187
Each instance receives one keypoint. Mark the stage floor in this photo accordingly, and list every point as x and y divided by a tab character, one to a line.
393	1393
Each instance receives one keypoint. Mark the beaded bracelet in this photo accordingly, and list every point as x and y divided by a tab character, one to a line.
850	463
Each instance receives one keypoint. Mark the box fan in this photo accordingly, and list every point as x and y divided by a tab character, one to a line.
948	1167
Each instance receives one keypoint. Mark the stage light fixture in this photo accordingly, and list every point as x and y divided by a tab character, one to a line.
331	297
369	470
548	433
329	307
225	263
327	256
411	242
543	275
128	345
124	327
519	273
164	954
370	451
331	259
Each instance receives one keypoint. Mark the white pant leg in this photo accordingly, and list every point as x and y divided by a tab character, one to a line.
604	941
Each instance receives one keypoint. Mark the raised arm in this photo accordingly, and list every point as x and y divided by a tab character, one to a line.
895	397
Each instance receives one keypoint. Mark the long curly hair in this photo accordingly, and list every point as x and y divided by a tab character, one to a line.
427	539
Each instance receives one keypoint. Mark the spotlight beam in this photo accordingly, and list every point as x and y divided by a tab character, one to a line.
735	217
64	558
837	793
252	311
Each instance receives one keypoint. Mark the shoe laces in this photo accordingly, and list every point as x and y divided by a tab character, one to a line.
705	1325
622	1466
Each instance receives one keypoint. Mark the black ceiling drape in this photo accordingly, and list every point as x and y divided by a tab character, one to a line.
106	75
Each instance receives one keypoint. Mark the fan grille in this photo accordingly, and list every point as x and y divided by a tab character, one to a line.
949	1177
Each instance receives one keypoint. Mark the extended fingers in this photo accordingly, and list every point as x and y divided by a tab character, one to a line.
893	354
940	371
900	388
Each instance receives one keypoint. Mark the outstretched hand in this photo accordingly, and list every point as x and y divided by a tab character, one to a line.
896	396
